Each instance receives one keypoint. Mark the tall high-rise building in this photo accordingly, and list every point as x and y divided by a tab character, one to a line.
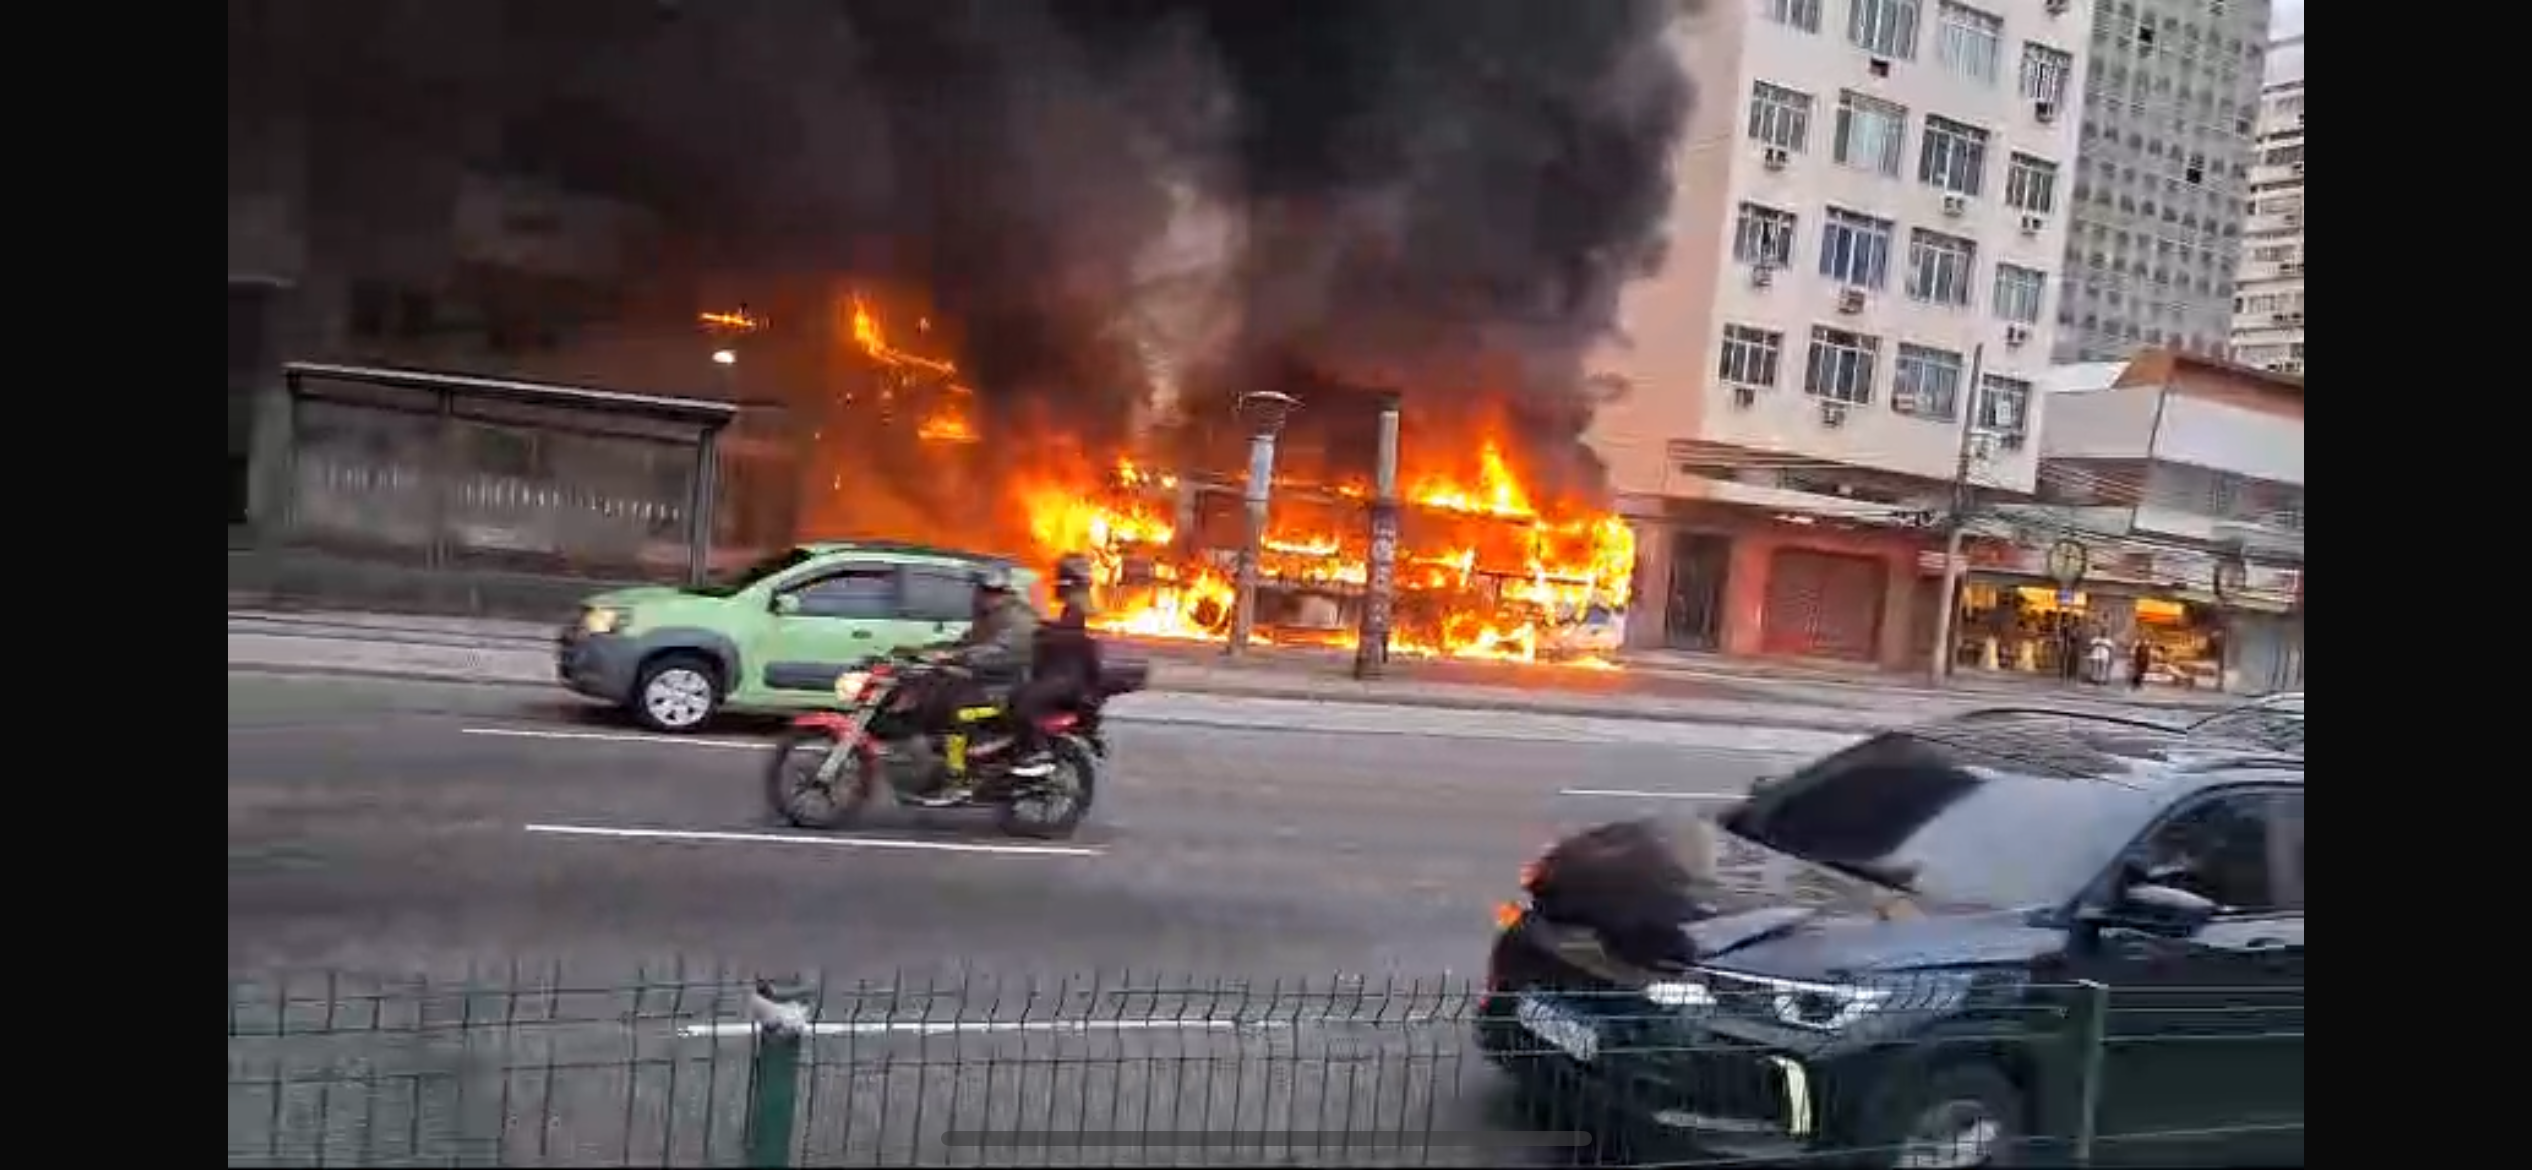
2164	164
2268	292
1872	202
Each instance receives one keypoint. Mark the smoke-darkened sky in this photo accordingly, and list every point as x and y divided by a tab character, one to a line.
1436	195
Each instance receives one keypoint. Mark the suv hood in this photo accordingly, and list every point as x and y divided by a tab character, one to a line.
1777	914
1764	912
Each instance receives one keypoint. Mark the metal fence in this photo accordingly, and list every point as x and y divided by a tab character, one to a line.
680	1068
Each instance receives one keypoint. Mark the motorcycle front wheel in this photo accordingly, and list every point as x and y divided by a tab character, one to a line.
793	787
1053	805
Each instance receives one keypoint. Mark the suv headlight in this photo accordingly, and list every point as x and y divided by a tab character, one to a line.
1817	1006
605	619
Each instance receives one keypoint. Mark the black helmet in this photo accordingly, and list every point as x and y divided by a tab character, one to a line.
1072	571
992	578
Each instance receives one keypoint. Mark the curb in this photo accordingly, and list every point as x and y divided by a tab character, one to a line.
1442	702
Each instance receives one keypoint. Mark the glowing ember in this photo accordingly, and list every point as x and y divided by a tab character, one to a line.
739	321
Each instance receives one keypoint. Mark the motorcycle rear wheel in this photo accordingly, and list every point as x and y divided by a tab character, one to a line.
1052	806
791	779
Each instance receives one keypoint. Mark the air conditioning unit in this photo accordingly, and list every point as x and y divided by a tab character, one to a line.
2031	225
1832	413
2059	7
1777	158
1850	300
1762	274
2017	335
1743	396
1955	206
2044	110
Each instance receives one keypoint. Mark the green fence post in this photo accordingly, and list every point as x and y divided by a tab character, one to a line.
773	1075
2088	1041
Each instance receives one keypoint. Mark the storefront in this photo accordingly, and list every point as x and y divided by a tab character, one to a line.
2187	641
2023	629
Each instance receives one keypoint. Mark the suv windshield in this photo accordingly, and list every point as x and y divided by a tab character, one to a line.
1919	816
727	585
2273	723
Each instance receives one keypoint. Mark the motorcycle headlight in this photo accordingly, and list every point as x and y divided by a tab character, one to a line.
603	619
848	685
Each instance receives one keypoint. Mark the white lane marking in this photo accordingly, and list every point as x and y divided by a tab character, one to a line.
802	839
617	737
1649	795
948	1027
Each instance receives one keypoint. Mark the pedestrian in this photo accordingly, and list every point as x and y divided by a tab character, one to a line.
2140	660
2070	648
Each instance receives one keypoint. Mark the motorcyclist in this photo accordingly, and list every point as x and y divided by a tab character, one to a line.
1066	665
997	649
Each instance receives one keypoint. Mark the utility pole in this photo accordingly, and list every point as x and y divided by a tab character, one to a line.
1957	522
1380	578
1265	411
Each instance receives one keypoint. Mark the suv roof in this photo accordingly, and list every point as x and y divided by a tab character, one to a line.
2127	752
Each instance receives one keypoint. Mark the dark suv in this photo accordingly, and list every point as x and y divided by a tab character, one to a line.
1901	951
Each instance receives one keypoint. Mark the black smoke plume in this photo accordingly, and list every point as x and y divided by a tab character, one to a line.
1437	196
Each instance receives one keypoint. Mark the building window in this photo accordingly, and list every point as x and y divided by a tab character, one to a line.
1763	235
1884	28
1855	249
1870	133
1939	267
2282	156
2045	72
1926	382
1801	14
1840	365
2031	184
2004	405
1969	42
1779	116
1750	355
1953	157
2019	292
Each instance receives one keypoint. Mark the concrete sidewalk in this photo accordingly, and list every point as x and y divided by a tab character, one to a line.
521	654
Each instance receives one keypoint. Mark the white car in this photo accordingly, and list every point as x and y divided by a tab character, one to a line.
1596	634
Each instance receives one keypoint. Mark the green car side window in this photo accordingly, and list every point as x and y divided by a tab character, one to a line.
862	594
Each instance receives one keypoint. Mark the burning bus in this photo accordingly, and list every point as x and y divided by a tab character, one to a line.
1485	568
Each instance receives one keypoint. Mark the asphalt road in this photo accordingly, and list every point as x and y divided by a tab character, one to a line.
383	830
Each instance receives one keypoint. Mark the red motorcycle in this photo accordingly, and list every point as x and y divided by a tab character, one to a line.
829	766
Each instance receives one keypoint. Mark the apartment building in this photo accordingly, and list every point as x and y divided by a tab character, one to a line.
2169	103
1873	199
2268	292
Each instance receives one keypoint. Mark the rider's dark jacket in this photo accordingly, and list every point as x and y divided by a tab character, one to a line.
1002	640
1066	650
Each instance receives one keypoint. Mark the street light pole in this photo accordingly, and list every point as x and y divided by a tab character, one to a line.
1380	579
1265	411
1957	522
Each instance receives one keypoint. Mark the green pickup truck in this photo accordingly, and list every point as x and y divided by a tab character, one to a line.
770	639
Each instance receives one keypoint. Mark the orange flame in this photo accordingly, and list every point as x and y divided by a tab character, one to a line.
1485	568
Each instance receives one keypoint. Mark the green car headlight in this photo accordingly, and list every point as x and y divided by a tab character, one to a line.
600	619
